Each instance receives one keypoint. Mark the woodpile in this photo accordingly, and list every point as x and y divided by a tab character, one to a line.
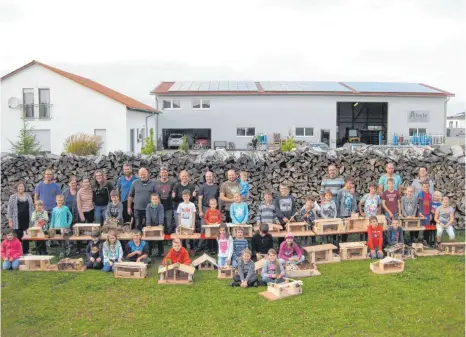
302	169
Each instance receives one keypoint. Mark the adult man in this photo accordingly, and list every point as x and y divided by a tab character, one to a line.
333	183
390	169
47	191
207	191
140	192
164	188
227	190
123	186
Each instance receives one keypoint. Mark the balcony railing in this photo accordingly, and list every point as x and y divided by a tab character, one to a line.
42	111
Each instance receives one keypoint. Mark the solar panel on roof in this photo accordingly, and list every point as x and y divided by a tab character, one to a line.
390	87
302	86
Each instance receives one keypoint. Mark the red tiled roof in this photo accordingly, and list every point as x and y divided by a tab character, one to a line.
110	93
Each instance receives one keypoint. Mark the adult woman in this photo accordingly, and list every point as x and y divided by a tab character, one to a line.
101	192
422	177
20	208
70	194
84	202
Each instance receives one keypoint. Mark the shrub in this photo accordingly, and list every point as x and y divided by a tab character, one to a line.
184	145
288	145
27	142
149	146
82	144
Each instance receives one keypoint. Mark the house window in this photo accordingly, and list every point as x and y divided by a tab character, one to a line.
201	104
28	103
44	103
245	132
417	131
171	104
450	124
304	132
43	137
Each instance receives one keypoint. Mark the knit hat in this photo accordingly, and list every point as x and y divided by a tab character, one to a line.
289	235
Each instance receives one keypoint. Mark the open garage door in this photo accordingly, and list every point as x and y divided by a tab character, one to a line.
194	135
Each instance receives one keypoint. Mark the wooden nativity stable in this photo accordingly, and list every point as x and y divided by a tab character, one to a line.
410	222
277	291
153	232
418	249
322	254
296	227
35	262
211	231
183	274
353	250
128	269
388	265
452	248
205	262
85	229
323	226
301	270
225	273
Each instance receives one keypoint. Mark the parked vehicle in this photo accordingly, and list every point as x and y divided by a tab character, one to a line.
319	147
201	142
175	140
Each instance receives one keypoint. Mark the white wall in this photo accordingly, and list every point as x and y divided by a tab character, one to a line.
75	109
457	123
137	120
280	113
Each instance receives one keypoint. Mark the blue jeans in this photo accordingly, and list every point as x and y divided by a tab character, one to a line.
107	268
273	280
222	261
11	265
99	214
234	262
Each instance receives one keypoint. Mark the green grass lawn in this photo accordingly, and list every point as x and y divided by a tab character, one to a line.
427	299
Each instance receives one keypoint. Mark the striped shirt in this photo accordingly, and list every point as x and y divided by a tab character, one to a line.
333	185
85	198
266	213
238	246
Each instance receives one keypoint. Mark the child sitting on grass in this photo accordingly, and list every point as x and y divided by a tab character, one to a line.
40	218
272	269
375	238
289	252
11	251
444	218
225	246
112	251
114	214
62	219
94	252
261	242
395	233
239	244
243	185
239	210
137	250
177	254
246	276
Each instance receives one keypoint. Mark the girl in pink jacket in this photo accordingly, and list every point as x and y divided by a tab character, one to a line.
11	251
289	252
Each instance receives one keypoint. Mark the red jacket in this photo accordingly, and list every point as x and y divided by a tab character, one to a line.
11	249
375	237
181	256
213	217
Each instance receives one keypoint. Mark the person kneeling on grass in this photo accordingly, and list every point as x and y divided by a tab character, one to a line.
375	238
94	252
177	255
137	250
11	251
246	276
112	251
444	217
272	269
289	252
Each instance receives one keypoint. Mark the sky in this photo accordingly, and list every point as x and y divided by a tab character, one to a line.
131	46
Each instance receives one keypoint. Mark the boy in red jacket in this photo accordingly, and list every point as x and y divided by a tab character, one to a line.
375	238
177	255
11	251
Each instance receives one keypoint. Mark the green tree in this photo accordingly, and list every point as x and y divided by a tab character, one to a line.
288	145
27	142
184	145
149	146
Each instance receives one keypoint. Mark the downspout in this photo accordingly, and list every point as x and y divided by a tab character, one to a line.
445	118
157	125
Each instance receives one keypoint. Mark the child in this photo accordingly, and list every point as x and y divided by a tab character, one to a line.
62	219
155	217
266	213
261	242
375	238
239	244
436	202
272	269
391	201
328	208
239	210
246	276
308	215
186	212
94	252
11	251
285	206
371	203
177	255
212	216
409	203
444	217
114	212
178	190
395	233
112	251
225	246
346	202
137	250
424	202
289	252
40	218
243	185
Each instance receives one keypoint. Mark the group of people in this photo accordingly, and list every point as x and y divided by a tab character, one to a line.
145	202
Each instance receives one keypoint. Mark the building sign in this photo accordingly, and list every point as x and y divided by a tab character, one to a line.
416	116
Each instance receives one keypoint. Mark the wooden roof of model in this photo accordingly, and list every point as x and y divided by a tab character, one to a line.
183	267
87	225
36	257
352	244
239	225
130	264
390	260
259	264
204	258
318	248
213	225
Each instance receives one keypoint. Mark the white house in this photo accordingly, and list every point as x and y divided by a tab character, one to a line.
58	104
331	112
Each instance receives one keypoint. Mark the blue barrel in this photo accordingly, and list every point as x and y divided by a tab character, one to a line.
265	138
380	137
262	138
